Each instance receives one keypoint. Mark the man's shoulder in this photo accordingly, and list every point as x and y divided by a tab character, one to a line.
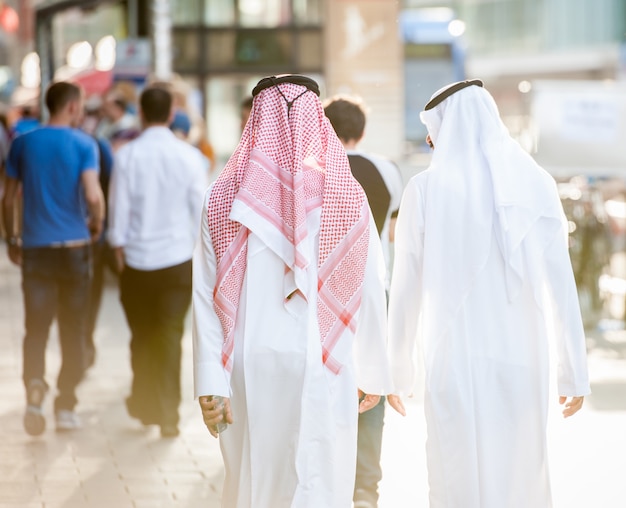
382	164
53	133
420	180
83	136
148	141
191	153
45	139
83	139
386	168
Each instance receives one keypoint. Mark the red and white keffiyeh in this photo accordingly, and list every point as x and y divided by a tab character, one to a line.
287	164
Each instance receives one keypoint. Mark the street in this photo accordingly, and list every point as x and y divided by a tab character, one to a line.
114	462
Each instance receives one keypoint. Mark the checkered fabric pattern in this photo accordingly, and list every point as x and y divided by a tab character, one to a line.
287	164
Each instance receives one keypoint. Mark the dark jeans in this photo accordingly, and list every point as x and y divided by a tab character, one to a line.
102	258
155	303
369	446
56	282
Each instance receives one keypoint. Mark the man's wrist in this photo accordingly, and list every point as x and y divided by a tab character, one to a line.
14	241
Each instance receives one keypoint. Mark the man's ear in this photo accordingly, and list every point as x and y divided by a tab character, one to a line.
72	107
75	111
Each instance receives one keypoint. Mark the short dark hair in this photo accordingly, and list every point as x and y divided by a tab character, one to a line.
156	104
247	102
347	116
60	94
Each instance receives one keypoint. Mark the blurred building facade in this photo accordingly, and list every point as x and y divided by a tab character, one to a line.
223	47
517	41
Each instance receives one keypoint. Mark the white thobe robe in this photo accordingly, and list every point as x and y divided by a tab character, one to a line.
486	370
293	440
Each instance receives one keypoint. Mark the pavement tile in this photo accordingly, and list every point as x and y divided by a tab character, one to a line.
59	488
149	491
9	504
19	491
162	503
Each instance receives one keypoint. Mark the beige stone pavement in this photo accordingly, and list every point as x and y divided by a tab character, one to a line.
114	462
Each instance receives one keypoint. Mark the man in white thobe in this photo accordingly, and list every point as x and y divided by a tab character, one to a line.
483	282
289	307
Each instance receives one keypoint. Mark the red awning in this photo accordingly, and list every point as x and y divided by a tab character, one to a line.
94	82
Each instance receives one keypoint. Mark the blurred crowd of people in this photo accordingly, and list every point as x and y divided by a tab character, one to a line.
63	227
112	117
596	211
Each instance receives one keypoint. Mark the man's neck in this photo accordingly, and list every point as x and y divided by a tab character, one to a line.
60	121
155	124
350	145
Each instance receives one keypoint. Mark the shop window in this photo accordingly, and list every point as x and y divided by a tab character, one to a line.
248	49
185	12
310	50
263	48
220	49
269	13
185	49
307	12
219	12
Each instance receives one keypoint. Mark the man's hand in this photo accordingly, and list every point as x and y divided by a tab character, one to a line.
367	401
213	412
95	228
396	402
118	257
573	406
15	254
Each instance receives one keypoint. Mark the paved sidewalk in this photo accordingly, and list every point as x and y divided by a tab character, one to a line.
114	462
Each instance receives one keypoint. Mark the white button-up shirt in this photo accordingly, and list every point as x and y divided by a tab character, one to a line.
155	199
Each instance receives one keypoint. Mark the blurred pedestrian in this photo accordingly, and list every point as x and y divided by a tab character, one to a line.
181	125
55	169
27	120
119	124
5	138
482	278
245	110
102	254
155	200
382	182
289	307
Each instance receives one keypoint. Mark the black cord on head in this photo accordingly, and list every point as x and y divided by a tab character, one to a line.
289	103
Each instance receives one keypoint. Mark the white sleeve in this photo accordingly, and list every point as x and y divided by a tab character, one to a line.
118	202
405	291
198	188
396	187
370	346
210	377
566	320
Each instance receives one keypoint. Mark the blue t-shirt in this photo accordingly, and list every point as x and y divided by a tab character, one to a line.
49	162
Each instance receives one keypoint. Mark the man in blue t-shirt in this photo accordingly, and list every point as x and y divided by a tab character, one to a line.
54	170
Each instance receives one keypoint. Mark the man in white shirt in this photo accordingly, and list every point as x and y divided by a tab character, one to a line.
155	199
